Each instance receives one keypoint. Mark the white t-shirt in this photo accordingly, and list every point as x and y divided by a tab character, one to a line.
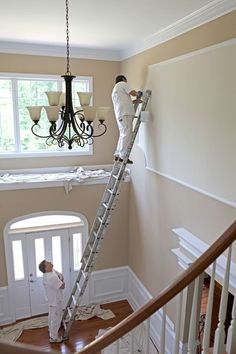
52	285
121	99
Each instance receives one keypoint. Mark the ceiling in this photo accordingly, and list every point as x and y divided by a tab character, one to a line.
120	27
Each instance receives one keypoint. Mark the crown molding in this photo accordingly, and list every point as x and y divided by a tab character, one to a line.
58	51
211	11
205	14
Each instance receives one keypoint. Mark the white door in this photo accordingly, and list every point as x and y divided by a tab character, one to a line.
63	247
53	246
19	281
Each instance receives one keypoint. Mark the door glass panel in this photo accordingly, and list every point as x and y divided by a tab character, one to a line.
77	250
39	254
56	253
18	260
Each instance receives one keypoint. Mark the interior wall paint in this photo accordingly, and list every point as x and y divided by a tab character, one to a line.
191	134
82	199
103	73
158	204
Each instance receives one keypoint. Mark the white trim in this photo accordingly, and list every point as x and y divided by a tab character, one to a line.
108	285
119	284
205	14
58	51
7	248
183	183
5	313
138	295
196	189
52	184
191	248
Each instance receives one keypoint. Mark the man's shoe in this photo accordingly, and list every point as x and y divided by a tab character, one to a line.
116	158
56	340
129	161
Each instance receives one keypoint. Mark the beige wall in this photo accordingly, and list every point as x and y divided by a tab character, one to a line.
82	199
103	73
157	204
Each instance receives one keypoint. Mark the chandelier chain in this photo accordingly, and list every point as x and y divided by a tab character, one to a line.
67	40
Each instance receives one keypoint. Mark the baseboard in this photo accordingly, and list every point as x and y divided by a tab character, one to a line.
138	295
5	314
110	285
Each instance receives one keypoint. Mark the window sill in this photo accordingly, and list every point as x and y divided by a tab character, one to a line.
66	177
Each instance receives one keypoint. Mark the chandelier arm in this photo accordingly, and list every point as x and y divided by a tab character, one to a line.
80	127
36	134
105	129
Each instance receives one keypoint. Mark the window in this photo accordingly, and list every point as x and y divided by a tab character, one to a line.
56	253
16	93
39	254
18	260
77	250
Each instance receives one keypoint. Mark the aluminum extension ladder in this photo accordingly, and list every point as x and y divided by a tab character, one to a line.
100	224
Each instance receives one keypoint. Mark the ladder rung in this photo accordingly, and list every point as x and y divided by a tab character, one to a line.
69	312
110	191
64	324
115	176
100	220
78	286
74	299
105	206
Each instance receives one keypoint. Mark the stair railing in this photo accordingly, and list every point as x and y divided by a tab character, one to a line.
192	274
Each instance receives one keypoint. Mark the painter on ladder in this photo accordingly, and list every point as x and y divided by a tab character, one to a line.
124	113
53	282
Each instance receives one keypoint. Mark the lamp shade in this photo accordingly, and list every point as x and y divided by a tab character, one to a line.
52	112
89	113
35	112
53	97
62	101
84	98
102	112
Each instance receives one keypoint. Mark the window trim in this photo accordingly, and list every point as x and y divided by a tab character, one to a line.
21	154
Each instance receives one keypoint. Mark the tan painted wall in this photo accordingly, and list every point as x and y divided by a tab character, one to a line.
157	205
103	73
82	199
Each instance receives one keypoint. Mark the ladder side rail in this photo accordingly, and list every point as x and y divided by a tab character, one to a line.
100	225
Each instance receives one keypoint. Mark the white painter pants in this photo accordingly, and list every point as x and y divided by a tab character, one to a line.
54	320
125	125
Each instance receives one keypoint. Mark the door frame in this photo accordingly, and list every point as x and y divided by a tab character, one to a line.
8	253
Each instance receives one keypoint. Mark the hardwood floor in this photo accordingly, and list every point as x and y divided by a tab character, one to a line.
82	332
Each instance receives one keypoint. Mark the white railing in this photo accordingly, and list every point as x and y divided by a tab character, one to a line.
133	335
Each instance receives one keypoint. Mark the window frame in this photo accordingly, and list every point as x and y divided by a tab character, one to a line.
21	154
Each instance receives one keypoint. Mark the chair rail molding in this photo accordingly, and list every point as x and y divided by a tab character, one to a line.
191	247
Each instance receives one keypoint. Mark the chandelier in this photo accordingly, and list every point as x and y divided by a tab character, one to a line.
66	125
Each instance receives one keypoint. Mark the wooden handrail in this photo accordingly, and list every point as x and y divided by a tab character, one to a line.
186	278
20	348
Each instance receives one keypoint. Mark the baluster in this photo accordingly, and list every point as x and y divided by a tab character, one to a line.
163	331
194	319
178	323
132	341
207	326
117	346
220	331
231	340
147	336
